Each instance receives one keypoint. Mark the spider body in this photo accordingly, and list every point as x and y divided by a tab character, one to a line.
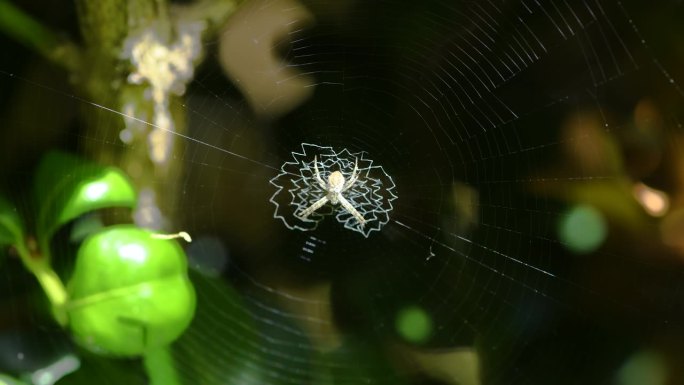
337	184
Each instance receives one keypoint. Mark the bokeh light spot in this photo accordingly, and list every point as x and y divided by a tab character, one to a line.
414	324
655	202
582	229
643	368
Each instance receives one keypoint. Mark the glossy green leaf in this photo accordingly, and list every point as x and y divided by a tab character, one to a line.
11	228
67	187
7	380
129	292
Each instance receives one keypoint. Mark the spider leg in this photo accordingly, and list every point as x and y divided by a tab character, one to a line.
323	185
354	177
347	206
317	205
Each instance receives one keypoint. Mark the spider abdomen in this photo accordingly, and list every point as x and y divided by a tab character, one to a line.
336	182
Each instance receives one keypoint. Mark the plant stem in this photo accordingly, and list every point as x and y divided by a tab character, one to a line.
109	28
160	367
54	288
106	25
37	37
49	280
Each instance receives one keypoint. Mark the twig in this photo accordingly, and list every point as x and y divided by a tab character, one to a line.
23	28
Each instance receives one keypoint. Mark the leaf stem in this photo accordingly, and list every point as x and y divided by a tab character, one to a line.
52	285
160	367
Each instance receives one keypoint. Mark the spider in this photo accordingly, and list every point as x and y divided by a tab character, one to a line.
335	187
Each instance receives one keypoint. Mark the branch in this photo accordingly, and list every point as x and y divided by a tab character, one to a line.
29	32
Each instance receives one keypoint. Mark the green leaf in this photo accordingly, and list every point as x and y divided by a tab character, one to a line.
7	380
67	187
11	228
129	293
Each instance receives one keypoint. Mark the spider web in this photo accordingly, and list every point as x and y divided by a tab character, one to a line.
371	195
464	106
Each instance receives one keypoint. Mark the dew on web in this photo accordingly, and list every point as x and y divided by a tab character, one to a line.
297	188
